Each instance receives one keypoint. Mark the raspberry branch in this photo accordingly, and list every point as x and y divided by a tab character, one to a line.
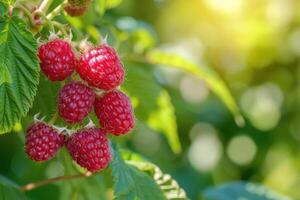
37	184
57	10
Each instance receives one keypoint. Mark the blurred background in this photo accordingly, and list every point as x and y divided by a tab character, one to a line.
254	46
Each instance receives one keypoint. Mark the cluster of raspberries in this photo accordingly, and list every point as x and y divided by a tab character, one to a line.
100	69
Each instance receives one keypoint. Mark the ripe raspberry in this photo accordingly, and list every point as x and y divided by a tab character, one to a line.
101	67
77	7
75	102
90	149
57	59
42	141
115	113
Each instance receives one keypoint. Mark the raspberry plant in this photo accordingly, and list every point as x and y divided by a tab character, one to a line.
89	90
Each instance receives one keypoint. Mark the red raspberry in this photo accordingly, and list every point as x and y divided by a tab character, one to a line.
77	7
42	141
115	113
101	67
57	59
75	102
90	149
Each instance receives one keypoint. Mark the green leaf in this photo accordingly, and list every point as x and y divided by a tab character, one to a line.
242	190
166	183
19	71
102	5
164	119
9	190
140	35
152	103
112	3
160	57
8	2
130	183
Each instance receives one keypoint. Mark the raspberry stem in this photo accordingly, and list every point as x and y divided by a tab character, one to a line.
37	184
45	5
57	10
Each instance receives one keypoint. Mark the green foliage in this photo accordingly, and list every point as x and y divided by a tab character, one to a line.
19	71
9	190
8	2
242	190
157	56
152	103
166	114
130	183
102	5
131	167
167	184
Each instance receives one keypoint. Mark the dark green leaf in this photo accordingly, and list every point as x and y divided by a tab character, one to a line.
166	183
19	71
9	190
242	190
131	183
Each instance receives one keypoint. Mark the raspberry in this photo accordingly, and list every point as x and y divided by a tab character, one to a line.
101	68
57	59
75	102
90	149
115	113
42	141
77	7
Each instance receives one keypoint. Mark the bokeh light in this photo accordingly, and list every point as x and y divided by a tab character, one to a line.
206	148
262	105
241	149
192	89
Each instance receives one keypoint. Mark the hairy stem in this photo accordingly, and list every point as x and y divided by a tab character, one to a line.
37	184
45	5
57	10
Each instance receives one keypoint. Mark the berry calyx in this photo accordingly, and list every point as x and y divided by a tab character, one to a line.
90	149
101	68
115	113
57	59
42	141
75	102
77	7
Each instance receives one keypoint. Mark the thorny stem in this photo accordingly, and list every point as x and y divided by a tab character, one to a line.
37	184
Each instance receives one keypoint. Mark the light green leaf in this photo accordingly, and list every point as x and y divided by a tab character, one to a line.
152	103
140	35
8	2
132	184
103	5
112	3
18	54
9	190
164	119
242	190
216	84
